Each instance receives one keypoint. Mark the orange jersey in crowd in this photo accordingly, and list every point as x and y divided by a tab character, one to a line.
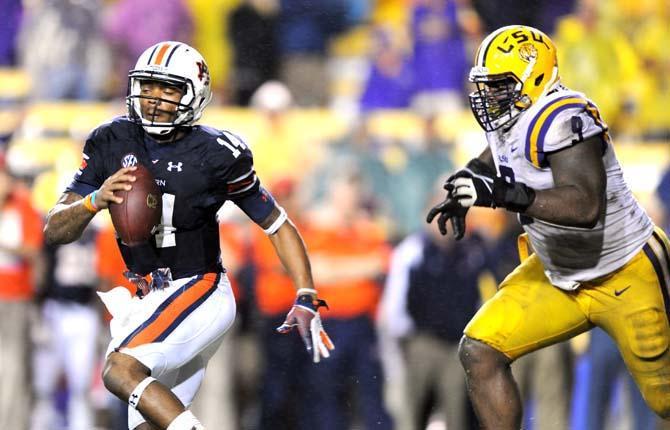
110	262
20	226
233	243
343	250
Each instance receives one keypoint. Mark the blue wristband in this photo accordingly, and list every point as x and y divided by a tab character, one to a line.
93	194
310	302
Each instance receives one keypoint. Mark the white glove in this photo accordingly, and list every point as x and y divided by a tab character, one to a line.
305	316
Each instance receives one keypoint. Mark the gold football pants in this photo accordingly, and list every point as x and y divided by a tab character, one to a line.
631	304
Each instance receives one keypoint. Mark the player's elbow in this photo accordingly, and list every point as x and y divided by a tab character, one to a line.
587	223
589	216
50	237
55	236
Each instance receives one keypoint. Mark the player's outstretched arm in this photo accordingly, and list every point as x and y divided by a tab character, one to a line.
67	220
291	251
576	200
304	315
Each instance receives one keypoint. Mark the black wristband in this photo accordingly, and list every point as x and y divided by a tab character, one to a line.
515	197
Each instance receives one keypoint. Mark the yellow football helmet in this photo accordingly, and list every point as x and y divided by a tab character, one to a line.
514	66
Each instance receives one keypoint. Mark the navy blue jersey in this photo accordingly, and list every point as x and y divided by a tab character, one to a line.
196	175
443	286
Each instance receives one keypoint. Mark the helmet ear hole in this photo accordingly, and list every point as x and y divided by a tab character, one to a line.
539	79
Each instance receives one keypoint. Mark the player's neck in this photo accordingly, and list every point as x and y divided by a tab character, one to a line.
171	137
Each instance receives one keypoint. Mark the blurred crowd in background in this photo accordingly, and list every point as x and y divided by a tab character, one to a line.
354	109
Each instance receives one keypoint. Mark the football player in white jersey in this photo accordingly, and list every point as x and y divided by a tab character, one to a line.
593	256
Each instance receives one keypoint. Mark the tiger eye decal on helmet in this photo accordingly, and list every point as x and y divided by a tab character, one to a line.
527	52
514	66
176	64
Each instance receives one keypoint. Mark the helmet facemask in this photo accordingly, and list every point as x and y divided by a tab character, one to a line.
494	102
183	115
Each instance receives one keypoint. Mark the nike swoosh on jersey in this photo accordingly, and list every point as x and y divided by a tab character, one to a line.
620	292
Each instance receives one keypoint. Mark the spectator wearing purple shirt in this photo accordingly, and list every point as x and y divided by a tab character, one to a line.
390	83
440	62
9	28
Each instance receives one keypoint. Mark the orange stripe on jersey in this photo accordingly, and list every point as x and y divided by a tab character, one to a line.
161	53
173	311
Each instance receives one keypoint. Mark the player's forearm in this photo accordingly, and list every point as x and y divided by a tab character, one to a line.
66	222
291	251
567	206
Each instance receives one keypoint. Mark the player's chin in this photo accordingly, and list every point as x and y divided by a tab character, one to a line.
159	116
160	119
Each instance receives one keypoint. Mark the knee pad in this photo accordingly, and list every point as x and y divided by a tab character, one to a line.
647	333
134	398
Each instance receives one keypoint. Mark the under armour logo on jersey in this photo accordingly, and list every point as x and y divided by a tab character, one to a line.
129	160
174	166
134	398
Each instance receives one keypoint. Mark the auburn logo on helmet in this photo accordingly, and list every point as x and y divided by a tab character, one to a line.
203	72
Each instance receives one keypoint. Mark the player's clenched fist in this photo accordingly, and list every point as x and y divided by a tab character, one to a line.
122	179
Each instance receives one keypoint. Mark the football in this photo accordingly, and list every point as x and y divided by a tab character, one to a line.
140	211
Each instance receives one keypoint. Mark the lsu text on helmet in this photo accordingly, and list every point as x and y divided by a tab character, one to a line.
514	67
176	64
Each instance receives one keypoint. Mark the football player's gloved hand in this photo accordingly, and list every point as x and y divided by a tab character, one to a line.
450	208
481	190
305	316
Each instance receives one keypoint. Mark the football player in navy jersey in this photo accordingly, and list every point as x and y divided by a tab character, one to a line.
163	337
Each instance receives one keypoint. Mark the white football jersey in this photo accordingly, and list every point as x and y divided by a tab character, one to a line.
570	255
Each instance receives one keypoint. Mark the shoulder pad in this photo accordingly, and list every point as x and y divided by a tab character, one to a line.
552	115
